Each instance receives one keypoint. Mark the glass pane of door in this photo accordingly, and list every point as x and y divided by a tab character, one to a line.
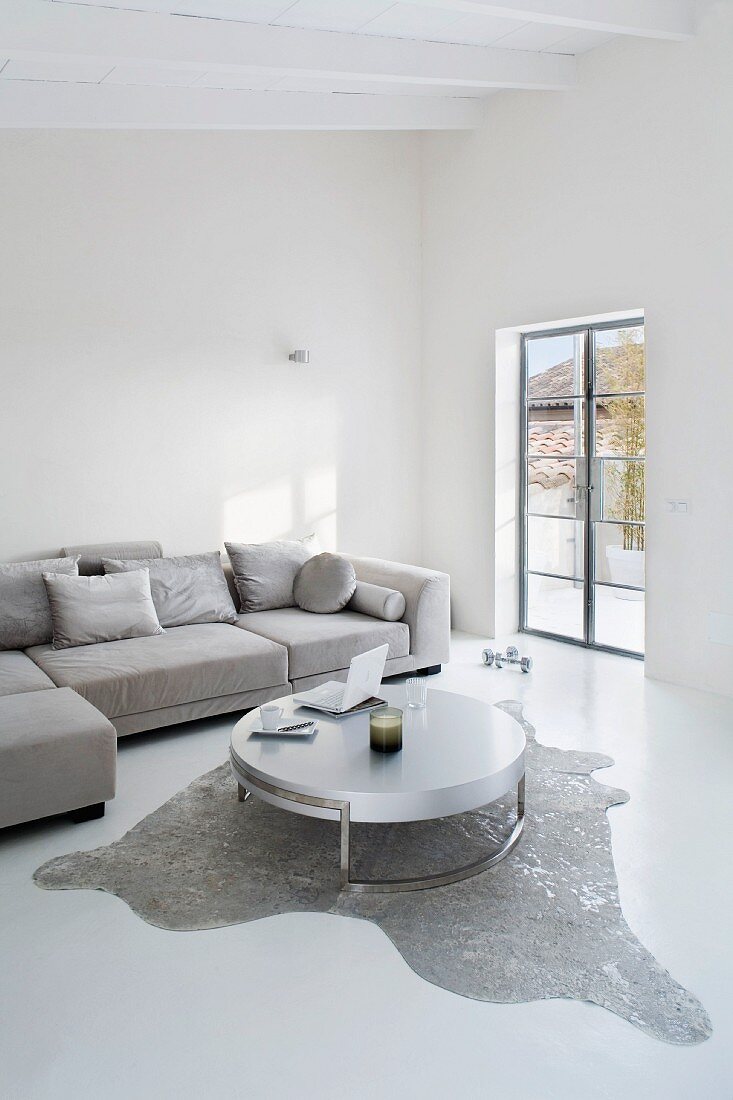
620	424
619	554
619	618
621	483
556	428
555	546
555	366
619	360
551	486
555	606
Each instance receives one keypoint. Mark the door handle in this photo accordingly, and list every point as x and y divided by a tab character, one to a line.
581	502
595	487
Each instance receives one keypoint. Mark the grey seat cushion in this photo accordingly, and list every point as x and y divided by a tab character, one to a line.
325	643
57	753
185	664
18	674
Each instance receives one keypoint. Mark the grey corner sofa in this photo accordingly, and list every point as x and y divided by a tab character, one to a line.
73	703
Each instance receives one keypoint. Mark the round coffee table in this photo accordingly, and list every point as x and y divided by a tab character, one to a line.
458	754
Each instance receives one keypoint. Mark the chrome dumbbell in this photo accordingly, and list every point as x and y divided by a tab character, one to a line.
511	657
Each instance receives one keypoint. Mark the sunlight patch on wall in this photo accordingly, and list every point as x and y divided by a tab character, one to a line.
319	504
259	514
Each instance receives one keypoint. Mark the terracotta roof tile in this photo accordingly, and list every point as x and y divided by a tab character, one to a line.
551	442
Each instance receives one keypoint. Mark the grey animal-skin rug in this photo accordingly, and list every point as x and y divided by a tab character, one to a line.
545	922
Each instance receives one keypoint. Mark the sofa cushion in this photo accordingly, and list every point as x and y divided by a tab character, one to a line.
186	590
25	617
19	674
184	664
89	610
264	572
325	584
324	643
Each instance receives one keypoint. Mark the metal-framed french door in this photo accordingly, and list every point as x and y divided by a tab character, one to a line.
583	485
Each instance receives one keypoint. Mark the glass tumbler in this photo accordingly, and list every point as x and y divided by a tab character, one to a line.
417	691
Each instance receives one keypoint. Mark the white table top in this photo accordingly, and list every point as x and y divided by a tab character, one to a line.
458	753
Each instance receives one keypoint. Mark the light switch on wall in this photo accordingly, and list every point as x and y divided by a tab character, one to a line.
720	628
678	507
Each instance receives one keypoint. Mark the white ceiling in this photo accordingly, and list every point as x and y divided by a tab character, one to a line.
292	63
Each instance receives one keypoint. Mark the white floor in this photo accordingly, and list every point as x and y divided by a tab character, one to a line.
94	1002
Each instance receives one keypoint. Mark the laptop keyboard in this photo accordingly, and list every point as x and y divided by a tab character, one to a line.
333	701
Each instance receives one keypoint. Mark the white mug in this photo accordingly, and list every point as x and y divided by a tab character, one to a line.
270	715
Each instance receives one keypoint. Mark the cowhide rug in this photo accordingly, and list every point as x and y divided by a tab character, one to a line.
545	922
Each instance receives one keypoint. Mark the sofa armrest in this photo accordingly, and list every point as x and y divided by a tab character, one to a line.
427	604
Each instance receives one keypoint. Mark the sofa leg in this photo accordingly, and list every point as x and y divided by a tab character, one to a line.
431	670
87	813
242	793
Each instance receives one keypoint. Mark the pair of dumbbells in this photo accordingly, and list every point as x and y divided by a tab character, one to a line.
511	657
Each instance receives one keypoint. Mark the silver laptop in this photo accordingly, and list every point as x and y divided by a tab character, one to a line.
361	687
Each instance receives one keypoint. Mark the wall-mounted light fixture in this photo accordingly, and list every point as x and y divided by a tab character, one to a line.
301	356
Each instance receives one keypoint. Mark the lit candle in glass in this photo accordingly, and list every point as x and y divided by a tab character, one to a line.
385	729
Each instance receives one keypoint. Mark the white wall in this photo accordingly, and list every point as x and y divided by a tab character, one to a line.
611	197
151	287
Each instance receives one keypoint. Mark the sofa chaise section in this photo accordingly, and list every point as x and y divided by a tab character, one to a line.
58	755
19	674
188	672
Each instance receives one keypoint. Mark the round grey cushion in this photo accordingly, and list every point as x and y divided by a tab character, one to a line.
324	584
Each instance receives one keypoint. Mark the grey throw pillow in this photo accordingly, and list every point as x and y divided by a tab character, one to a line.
325	584
188	589
264	572
379	602
25	617
86	610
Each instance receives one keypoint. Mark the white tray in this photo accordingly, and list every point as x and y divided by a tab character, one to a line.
257	728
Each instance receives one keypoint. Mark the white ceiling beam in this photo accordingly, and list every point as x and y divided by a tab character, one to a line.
40	104
673	19
35	30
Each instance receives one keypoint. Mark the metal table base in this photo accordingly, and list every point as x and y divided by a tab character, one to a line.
386	886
